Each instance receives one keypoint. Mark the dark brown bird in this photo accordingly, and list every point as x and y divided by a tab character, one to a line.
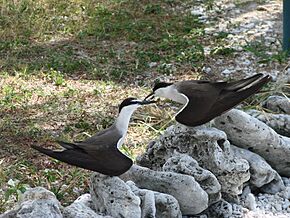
205	100
101	152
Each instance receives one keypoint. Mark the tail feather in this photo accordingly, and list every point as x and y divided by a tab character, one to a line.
44	150
237	85
233	98
247	90
108	162
67	145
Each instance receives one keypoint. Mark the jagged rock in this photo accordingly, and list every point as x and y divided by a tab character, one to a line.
34	203
248	132
166	205
80	210
112	196
185	164
82	207
208	146
279	122
191	197
197	216
262	174
277	104
148	207
225	210
85	199
247	199
264	214
156	204
285	193
250	202
9	214
148	204
286	181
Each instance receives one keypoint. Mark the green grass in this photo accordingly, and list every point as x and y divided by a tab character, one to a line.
266	54
72	37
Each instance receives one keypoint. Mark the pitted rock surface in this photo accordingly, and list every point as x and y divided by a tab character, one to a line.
184	164
112	196
191	197
248	132
34	203
277	104
208	146
156	204
279	122
263	176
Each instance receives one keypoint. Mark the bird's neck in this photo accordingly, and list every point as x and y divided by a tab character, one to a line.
123	119
172	93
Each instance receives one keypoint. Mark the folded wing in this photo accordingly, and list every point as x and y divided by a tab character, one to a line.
107	160
208	100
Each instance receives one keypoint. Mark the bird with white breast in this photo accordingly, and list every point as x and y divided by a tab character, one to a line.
204	100
101	152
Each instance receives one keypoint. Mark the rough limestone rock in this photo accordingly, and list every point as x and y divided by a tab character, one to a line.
225	210
34	203
247	199
191	197
9	214
156	204
148	207
82	207
277	104
208	146
279	122
80	210
250	202
112	196
185	164
248	132
85	199
166	205
262	174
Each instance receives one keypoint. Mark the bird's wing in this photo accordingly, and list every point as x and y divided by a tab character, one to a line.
102	137
105	139
201	96
109	161
235	85
208	100
98	153
236	92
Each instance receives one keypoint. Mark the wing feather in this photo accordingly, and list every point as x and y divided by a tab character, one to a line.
106	161
209	100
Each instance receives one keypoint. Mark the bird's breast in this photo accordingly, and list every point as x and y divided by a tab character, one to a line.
178	97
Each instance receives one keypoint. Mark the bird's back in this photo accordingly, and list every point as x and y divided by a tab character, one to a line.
106	138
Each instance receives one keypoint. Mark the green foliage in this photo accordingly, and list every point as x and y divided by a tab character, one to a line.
12	97
68	37
153	9
56	77
266	54
16	188
226	51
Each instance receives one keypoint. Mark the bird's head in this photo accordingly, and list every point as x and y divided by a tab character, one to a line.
159	90
131	104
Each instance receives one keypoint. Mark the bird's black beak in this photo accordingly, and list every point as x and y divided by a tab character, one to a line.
150	96
144	102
